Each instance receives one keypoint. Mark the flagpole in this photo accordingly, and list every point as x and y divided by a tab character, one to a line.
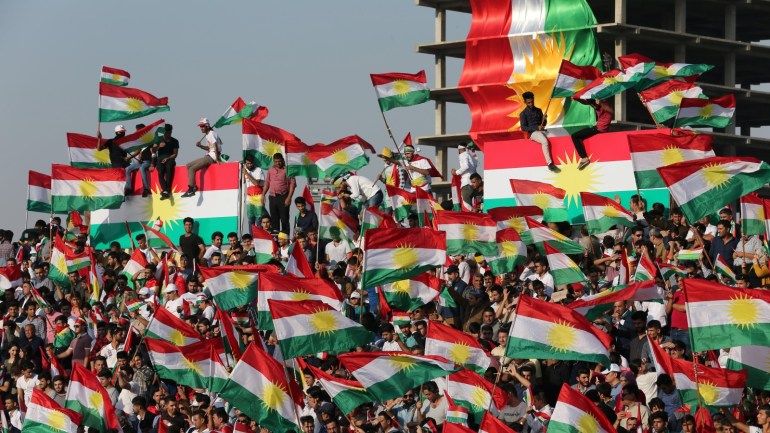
239	213
500	371
26	213
99	112
223	334
678	110
400	154
644	102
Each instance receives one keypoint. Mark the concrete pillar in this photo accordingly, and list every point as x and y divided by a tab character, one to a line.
620	49
442	160
731	24
680	26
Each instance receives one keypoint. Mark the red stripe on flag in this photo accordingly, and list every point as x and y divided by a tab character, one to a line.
126	92
389	77
657	142
66	172
115	71
82	141
39	179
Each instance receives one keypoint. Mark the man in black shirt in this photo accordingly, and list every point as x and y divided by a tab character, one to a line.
166	162
533	120
118	157
191	244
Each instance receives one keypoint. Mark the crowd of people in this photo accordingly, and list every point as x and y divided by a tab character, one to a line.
47	328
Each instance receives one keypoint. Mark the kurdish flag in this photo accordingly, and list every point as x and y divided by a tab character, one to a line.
123	103
456	346
156	238
346	154
547	197
287	288
468	232
663	100
718	387
542	235
10	277
512	217
512	252
563	269
147	136
264	245
84	151
397	89
306	327
572	79
602	213
402	202
255	202
88	397
752	214
663	71
375	218
474	393
490	424
753	359
336	224
551	331
613	82
64	337
595	305
263	141
116	77
39	192
650	151
136	264
258	387
239	110
692	254
298	163
397	254
455	414
58	270
412	293
645	270
45	415
231	286
671	271
745	318
84	189
714	112
703	186
346	394
388	375
724	270
575	413
197	366
165	326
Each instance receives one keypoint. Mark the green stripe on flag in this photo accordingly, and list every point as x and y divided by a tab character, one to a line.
68	203
116	115
252	405
463	246
527	349
405	100
756	379
703	337
38	206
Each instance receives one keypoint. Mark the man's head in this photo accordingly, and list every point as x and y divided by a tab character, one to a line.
120	131
278	160
307	423
529	99
723	228
188	224
658	422
204	125
584	377
301	204
476	181
387	330
216	239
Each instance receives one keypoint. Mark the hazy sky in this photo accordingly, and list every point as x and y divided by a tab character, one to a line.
308	61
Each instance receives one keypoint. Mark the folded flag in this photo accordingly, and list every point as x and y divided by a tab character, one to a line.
334	223
475	393
398	254
572	79
147	136
345	393
412	293
10	277
165	326
45	415
39	192
231	286
650	151
563	269
512	217
84	189
84	151
468	232
718	387
753	217
122	103
663	71
714	112
239	110
264	245
197	366
397	89
456	346
551	331
745	320
703	186
595	305
116	77
576	412
401	201
691	254
645	270
601	213
663	99
542	235
455	414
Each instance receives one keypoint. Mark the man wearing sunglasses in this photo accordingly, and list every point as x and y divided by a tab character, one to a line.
403	409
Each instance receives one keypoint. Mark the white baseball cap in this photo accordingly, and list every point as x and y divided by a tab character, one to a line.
613	367
171	288
120	128
203	121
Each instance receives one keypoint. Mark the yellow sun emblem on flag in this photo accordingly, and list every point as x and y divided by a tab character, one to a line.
134	105
257	200
273	395
660	71
579	84
407	202
671	155
300	295
470	232
148	137
341	157
401	87
708	392
241	280
56	420
402	363
102	157
177	338
405	256
561	336
95	399
192	366
270	148
587	424
542	200
609	81
116	77
743	311
610	211
61	263
574	181
306	160
715	175
169	211
706	111
675	97
479	398
760	213
323	322
516	223
509	248
87	188
403	287
459	353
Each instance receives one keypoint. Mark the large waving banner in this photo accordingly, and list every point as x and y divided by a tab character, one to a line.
515	46
214	207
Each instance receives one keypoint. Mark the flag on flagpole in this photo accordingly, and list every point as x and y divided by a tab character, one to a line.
456	346
262	141
663	71
165	326
397	89
753	217
309	202
691	254
288	288
475	393
39	192
337	224
116	77
84	151
547	197
392	255
601	213
88	397
724	270
613	82
346	394
650	151
753	359
703	186
84	189
402	202
595	305
346	154
122	103
512	252
562	268
645	270
239	110
196	366
374	218
714	112
455	414
572	79
45	415
574	411
147	136
412	293
298	264
10	277
663	100
231	286
542	235
512	217
264	245
468	232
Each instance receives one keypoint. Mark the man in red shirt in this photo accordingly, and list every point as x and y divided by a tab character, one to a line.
604	114
280	189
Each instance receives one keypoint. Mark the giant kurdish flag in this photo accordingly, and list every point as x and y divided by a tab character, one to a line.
609	174
214	207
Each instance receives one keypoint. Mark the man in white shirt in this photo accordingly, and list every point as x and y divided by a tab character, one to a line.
16	417
110	351
538	270
173	300
419	169
361	189
213	148
467	167
336	251
216	246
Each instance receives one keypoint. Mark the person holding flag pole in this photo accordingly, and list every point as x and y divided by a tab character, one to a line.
213	155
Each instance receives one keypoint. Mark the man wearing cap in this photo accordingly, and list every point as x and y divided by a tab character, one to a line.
173	300
612	378
361	189
467	167
283	248
165	161
394	173
420	169
118	156
80	346
213	150
280	189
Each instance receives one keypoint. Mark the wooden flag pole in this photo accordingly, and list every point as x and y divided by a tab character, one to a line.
673	125
402	159
644	102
